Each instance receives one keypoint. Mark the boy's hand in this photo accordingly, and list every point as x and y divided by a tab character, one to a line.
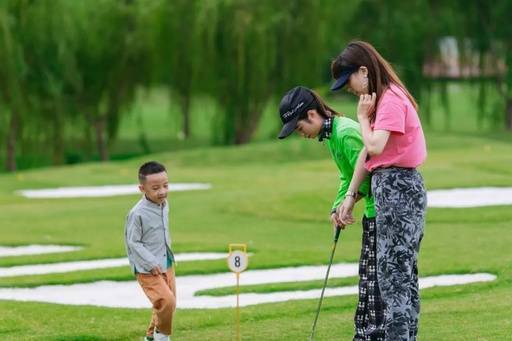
366	106
156	271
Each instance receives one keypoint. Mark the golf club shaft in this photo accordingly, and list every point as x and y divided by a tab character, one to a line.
336	236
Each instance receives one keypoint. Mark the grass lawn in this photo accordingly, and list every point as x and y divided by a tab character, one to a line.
274	196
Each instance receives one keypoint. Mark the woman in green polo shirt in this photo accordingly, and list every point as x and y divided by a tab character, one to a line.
303	111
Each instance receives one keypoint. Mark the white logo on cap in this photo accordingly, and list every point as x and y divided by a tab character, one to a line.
293	111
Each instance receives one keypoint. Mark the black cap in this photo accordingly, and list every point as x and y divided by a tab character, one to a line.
342	80
293	104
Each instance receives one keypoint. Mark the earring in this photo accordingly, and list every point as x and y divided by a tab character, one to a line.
365	84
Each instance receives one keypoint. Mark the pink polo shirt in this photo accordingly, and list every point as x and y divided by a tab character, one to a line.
406	145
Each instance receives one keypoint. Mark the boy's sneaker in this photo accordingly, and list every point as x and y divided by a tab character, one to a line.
148	338
157	336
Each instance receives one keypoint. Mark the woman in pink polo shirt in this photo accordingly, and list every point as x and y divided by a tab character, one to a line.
394	147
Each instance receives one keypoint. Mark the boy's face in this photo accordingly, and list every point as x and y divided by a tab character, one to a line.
310	127
155	187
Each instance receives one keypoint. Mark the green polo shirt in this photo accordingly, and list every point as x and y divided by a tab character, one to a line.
345	144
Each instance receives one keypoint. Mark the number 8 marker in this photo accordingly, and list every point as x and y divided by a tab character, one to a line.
238	261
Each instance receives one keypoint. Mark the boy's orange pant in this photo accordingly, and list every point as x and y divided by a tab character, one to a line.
161	291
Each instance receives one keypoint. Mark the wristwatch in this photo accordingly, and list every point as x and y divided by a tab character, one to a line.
350	194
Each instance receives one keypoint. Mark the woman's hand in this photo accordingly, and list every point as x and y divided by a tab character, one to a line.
344	211
366	106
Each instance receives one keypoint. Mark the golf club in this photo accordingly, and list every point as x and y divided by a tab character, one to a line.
336	236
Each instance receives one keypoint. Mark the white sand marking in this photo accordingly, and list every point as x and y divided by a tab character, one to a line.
456	197
470	197
35	249
40	269
130	295
102	191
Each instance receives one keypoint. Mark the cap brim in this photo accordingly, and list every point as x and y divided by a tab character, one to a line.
288	128
341	81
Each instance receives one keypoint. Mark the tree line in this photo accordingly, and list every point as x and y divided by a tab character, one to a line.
77	64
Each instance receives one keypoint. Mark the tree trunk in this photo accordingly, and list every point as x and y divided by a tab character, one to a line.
11	143
245	131
143	141
101	143
185	109
426	106
58	143
445	100
508	110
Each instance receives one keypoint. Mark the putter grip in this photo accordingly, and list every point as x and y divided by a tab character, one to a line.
337	234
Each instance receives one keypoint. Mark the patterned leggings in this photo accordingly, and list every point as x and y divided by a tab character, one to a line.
400	203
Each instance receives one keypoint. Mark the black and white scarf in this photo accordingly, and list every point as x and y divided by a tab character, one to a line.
326	131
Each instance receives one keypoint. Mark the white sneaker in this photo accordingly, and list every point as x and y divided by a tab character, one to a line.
157	336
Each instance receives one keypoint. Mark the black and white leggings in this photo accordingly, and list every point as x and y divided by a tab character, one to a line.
369	316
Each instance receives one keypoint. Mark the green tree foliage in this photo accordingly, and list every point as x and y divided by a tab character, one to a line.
262	48
57	68
49	61
13	73
71	66
487	27
109	64
244	64
181	39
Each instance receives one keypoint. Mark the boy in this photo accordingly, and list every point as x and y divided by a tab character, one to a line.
148	247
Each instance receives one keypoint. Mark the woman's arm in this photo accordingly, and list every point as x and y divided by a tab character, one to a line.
374	141
345	209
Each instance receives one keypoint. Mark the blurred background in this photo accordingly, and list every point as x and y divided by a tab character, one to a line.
88	80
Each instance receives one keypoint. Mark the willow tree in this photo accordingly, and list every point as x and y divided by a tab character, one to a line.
109	63
180	50
487	26
13	73
243	65
302	51
261	49
265	47
49	62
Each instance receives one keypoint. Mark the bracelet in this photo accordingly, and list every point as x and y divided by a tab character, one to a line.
350	194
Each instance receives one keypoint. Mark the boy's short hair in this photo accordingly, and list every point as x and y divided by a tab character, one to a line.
151	167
